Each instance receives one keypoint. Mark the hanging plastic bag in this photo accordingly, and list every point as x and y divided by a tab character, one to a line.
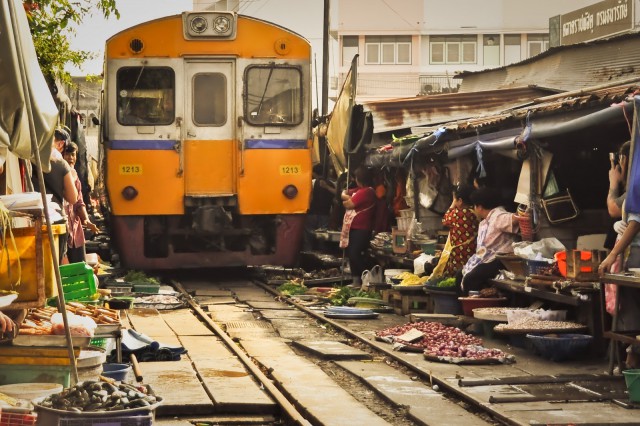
78	325
420	261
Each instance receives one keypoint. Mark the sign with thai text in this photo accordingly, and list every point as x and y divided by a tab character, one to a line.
599	20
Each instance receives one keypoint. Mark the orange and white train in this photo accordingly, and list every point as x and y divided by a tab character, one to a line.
206	141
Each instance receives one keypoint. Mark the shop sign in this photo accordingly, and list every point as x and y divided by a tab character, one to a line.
599	20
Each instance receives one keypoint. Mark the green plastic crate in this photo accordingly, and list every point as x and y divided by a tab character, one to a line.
78	281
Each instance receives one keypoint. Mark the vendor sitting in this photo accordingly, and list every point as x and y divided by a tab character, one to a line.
497	231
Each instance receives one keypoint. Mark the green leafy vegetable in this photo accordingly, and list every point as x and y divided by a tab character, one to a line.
346	293
447	282
293	287
139	277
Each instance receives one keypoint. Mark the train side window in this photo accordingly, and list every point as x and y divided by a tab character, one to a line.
209	99
273	95
145	96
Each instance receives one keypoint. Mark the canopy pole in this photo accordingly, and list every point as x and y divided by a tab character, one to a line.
34	148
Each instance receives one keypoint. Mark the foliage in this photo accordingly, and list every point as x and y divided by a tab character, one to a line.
292	287
51	23
447	282
139	277
345	293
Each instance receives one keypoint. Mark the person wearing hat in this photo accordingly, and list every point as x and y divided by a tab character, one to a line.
59	182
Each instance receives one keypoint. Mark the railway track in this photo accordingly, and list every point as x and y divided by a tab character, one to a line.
300	367
316	371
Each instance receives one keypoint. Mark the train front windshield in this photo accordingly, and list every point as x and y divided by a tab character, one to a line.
145	96
274	95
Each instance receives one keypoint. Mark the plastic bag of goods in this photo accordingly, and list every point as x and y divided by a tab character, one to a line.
78	325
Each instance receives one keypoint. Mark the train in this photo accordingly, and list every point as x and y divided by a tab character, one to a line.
206	141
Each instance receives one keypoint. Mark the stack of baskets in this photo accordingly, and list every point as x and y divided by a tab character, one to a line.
404	220
526	223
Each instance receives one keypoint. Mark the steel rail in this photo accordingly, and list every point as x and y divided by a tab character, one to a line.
390	353
291	412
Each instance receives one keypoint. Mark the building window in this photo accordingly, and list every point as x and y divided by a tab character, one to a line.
453	49
404	53
387	50
437	52
536	44
512	48
491	49
349	49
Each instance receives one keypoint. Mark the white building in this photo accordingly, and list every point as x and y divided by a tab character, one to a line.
416	47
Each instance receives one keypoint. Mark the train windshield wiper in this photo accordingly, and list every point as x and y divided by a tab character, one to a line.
266	86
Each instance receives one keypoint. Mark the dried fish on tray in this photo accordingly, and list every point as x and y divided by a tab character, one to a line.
538	326
482	356
496	313
159	302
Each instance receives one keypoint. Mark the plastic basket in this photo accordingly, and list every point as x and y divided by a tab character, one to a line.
98	342
560	347
78	282
538	267
632	380
24	255
146	420
16	419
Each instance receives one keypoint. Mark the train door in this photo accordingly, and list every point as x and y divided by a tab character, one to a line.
209	160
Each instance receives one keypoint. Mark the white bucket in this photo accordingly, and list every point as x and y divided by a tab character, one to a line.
30	391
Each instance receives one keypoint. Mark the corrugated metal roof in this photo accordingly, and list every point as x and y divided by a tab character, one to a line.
389	115
548	106
547	115
565	68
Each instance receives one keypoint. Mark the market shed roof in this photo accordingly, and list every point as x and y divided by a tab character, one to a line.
564	68
404	113
544	117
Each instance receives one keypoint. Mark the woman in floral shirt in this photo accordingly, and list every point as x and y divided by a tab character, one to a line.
463	230
497	232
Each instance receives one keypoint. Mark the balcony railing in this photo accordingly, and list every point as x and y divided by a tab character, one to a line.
390	86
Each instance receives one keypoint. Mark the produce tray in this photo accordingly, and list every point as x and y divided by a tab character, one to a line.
377	305
351	316
504	330
468	361
408	288
107	328
490	314
313	282
344	312
50	340
320	281
104	415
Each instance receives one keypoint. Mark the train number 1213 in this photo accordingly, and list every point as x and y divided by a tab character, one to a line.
291	169
130	169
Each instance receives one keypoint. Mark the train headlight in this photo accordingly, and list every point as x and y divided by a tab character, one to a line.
129	193
290	191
